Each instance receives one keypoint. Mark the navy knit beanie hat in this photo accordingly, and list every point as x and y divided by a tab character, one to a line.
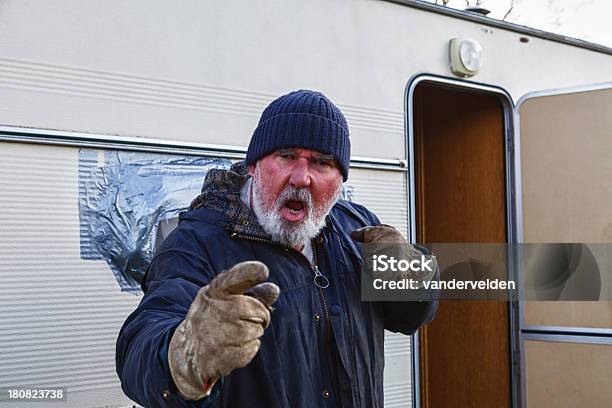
305	119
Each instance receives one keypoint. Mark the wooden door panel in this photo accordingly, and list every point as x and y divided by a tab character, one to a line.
460	184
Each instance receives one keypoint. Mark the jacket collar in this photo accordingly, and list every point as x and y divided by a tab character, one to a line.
221	193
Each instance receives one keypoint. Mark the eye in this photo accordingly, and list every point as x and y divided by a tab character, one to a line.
326	162
286	154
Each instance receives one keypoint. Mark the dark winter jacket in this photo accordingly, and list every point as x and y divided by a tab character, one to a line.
323	348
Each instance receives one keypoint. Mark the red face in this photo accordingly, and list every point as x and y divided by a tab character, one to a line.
300	169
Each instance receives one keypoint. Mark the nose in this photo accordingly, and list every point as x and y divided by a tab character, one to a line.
300	174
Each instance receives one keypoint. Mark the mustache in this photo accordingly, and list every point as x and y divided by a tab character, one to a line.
296	194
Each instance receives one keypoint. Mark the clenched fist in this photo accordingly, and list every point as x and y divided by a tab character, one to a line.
222	329
389	241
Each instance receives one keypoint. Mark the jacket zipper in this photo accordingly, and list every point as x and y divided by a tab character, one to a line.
314	266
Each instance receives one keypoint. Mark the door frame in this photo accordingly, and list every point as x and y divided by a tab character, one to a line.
516	367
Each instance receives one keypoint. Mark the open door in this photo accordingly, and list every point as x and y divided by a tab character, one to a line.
564	195
460	194
473	180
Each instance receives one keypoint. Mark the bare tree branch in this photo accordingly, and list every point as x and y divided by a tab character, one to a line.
509	10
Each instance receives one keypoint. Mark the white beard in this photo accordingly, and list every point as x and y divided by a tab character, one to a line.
289	233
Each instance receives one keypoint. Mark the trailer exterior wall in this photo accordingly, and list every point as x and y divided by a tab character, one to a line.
204	70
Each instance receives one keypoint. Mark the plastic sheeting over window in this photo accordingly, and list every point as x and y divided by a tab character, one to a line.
127	199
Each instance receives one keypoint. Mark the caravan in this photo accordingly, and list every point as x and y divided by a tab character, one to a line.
463	129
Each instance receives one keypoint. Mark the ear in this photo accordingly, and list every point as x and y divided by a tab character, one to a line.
251	169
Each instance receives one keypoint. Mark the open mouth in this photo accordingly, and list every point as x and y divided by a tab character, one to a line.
294	210
294	205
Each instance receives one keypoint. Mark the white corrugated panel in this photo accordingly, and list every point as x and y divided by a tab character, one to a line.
60	314
384	193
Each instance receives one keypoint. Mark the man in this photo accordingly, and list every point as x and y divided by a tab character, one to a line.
254	300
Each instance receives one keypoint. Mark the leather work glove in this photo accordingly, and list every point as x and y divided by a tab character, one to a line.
387	240
222	329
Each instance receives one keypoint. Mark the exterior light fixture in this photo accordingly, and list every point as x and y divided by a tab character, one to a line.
465	57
